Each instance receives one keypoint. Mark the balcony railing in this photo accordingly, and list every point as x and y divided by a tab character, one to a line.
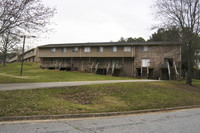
54	65
105	65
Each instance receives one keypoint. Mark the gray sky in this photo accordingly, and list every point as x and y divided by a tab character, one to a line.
99	20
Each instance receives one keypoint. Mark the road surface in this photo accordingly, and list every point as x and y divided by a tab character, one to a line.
20	86
181	121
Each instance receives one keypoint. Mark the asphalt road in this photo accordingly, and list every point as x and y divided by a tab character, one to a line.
182	121
20	86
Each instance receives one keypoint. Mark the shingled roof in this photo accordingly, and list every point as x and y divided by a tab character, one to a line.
108	44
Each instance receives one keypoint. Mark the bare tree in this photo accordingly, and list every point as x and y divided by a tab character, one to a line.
8	42
185	15
22	17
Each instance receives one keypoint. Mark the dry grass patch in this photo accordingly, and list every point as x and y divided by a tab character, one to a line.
98	98
111	102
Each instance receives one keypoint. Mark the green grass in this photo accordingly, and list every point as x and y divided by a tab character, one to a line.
33	73
99	98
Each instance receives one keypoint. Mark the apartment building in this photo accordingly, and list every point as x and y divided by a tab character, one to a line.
154	60
29	56
14	59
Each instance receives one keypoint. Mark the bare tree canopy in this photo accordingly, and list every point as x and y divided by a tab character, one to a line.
18	17
185	15
24	15
181	13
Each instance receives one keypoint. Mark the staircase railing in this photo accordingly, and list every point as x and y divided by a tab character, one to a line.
91	67
107	69
113	68
96	67
169	72
176	70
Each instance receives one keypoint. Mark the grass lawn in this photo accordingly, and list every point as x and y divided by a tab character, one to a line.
33	73
99	98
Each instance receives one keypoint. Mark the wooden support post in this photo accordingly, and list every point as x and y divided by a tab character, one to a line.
92	67
132	72
122	64
82	64
71	63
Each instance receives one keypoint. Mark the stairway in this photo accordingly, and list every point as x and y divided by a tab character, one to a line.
176	70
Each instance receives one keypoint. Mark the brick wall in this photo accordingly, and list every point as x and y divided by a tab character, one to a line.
156	54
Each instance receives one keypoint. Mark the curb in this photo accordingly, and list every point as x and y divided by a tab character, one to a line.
68	116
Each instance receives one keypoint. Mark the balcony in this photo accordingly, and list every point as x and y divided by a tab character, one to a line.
106	65
55	65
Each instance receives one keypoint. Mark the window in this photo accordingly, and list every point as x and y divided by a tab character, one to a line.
53	50
114	49
100	49
144	48
86	49
64	50
145	62
127	49
75	49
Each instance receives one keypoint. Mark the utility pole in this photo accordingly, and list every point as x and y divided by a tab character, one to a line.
22	58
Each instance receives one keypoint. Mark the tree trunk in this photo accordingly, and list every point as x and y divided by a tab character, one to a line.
5	55
184	73
189	61
4	59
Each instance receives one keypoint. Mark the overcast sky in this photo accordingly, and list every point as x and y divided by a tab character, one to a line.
98	20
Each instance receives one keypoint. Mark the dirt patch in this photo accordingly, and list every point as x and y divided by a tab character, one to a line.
81	97
112	101
86	96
